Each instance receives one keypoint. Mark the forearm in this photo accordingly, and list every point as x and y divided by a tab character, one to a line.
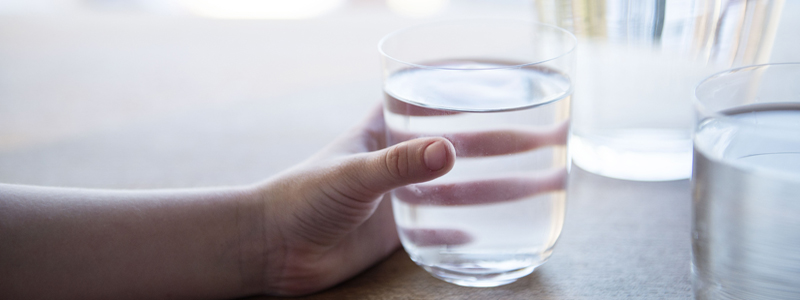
73	243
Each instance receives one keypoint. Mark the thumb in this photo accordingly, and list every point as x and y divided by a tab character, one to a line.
419	160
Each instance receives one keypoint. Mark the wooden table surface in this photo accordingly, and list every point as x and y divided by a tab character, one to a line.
130	99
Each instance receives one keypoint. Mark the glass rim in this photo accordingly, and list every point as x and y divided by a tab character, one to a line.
421	66
707	113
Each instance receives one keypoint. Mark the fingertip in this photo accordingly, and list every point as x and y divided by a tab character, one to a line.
435	156
427	237
439	155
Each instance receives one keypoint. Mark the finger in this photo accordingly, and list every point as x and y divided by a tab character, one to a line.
367	176
425	237
373	129
497	142
483	191
369	135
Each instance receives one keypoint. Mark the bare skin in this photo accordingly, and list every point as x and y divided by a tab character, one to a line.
299	232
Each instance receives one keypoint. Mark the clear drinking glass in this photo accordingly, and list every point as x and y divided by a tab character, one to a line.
639	62
746	184
500	91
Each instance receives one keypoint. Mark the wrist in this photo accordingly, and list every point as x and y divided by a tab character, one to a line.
261	256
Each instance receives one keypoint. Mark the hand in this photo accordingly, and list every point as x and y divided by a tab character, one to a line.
329	219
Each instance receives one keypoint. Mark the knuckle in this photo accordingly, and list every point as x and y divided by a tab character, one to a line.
396	162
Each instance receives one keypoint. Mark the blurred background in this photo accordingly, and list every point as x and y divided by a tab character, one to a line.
176	93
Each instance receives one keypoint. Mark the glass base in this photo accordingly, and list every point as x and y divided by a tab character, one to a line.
478	278
480	269
641	155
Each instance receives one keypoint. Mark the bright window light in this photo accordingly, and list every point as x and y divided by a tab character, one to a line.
416	8
261	9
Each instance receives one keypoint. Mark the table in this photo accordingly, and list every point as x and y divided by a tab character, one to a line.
128	99
621	240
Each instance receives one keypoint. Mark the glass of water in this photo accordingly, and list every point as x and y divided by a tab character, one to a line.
639	61
746	184
500	91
